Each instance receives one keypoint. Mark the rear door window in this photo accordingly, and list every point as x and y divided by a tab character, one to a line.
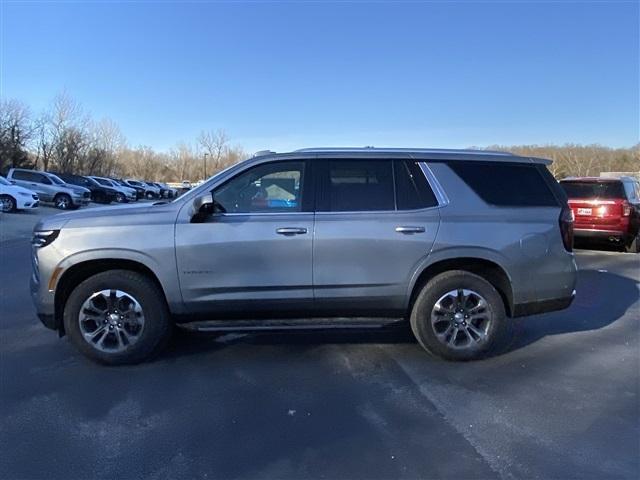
592	190
412	189
358	186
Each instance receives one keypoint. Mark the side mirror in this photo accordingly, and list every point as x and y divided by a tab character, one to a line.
202	207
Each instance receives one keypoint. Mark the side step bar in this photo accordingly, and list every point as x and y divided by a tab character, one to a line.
288	324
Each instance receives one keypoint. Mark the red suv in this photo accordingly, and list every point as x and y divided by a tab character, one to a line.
605	208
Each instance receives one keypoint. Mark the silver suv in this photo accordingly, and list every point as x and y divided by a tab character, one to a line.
50	188
457	243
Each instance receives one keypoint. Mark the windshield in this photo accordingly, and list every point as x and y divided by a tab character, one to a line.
104	181
55	179
204	186
593	190
4	181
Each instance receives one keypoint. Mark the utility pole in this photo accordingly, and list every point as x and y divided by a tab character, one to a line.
205	165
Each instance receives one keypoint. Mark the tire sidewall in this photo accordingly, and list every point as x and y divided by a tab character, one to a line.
431	293
62	207
13	204
157	326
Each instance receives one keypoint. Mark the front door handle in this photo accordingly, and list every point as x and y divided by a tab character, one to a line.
291	231
410	229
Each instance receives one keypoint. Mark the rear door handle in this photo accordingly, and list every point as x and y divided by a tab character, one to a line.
291	231
408	229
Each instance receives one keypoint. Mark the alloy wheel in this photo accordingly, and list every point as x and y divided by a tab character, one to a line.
62	202
461	319
111	320
8	204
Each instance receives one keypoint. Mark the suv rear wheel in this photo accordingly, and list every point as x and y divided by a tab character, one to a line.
117	317
459	316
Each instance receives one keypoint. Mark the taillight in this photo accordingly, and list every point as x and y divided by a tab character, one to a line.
626	209
566	227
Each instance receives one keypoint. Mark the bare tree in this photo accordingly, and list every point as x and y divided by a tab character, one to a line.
215	145
15	132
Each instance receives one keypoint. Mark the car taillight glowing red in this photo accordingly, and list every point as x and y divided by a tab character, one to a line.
626	209
566	227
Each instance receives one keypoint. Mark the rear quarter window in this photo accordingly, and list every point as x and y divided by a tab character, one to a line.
506	184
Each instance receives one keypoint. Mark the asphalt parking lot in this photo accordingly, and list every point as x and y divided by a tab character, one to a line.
561	403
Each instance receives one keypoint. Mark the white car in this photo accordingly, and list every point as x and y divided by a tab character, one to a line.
13	197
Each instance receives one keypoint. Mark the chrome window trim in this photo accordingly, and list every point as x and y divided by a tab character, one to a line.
439	192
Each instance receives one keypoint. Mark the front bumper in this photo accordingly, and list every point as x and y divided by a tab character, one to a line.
43	299
81	201
27	203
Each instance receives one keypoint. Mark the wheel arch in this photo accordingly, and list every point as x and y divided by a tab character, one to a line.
79	272
490	270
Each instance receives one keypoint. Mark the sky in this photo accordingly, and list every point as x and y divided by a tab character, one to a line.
287	75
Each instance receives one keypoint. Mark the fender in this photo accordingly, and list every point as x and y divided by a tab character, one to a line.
165	273
456	254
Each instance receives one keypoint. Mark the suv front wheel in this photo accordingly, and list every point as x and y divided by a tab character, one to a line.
117	317
459	316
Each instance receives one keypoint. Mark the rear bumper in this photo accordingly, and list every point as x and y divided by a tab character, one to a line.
597	233
543	306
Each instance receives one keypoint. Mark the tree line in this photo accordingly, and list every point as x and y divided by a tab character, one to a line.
65	138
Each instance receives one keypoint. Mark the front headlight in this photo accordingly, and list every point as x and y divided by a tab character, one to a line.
44	237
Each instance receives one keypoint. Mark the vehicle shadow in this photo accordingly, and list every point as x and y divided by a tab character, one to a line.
186	343
602	298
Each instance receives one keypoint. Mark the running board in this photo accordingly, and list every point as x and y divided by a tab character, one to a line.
288	324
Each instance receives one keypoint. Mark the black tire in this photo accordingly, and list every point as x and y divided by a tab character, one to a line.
120	198
7	203
634	245
62	201
497	326
149	195
157	328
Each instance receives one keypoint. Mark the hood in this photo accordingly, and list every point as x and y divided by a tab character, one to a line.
133	214
125	190
76	188
16	189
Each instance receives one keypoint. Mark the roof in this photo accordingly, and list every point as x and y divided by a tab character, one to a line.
412	153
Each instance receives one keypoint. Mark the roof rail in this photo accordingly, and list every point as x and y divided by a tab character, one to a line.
406	150
263	152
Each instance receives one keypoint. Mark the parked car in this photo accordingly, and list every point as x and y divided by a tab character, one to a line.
606	209
149	192
140	190
165	191
457	243
50	188
99	193
14	197
124	194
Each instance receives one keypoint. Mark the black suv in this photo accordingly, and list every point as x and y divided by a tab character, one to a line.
99	193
